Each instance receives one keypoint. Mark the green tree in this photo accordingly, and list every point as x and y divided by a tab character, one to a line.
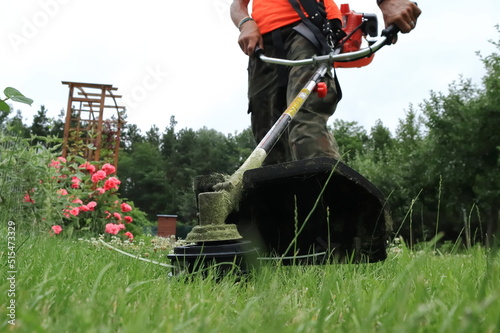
245	144
143	180
43	126
16	125
130	136
463	131
351	138
441	168
380	141
153	136
40	125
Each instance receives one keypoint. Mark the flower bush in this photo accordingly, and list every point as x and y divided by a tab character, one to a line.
39	190
92	197
65	195
88	196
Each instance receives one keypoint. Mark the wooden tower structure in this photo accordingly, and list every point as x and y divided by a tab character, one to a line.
93	122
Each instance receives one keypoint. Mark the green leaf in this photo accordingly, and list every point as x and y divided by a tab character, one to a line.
10	92
16	96
22	99
4	106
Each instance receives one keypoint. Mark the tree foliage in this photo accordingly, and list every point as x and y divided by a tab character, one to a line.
351	138
441	169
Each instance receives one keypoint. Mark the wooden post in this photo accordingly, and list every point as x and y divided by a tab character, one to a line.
83	122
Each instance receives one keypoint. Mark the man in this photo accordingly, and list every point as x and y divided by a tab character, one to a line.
271	88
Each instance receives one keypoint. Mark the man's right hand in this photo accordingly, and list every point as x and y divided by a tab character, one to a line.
250	38
402	13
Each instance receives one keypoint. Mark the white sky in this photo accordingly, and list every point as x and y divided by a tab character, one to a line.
181	58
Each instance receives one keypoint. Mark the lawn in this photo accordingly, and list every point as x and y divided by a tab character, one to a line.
69	285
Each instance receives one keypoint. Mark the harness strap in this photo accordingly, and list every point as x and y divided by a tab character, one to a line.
302	29
318	17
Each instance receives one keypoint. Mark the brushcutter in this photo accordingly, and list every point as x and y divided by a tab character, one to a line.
215	241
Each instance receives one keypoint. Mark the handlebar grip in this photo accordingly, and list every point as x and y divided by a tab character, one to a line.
258	52
390	33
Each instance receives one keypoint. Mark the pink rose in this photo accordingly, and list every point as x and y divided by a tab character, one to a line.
111	183
108	168
62	192
57	162
128	219
100	190
87	166
99	175
92	205
76	182
126	207
27	198
129	235
112	228
78	201
56	229
117	216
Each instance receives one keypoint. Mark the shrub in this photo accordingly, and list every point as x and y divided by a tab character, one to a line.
89	192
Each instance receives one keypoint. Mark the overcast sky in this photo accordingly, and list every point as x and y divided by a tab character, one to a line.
181	58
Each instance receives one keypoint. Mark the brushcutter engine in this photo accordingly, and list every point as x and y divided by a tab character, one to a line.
356	26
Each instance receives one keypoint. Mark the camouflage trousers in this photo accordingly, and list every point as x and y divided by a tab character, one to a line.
271	88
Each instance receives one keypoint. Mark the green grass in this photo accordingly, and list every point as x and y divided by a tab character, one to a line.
64	285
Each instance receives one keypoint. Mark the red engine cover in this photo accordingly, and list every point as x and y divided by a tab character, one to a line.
350	21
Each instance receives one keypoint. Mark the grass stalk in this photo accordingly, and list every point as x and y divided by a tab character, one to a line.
438	209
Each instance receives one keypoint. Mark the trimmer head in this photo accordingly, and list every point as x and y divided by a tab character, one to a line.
314	206
230	256
213	210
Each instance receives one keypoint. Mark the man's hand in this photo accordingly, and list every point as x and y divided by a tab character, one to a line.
250	37
402	13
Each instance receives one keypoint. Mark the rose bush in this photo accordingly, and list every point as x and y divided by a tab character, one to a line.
89	194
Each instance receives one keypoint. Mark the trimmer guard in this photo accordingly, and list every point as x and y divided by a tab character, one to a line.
350	223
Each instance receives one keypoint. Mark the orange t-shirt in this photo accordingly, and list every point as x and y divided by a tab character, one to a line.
273	14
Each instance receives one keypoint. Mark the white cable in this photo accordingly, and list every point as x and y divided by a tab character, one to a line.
171	266
137	256
293	257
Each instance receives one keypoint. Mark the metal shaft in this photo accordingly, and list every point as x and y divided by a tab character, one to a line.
268	142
